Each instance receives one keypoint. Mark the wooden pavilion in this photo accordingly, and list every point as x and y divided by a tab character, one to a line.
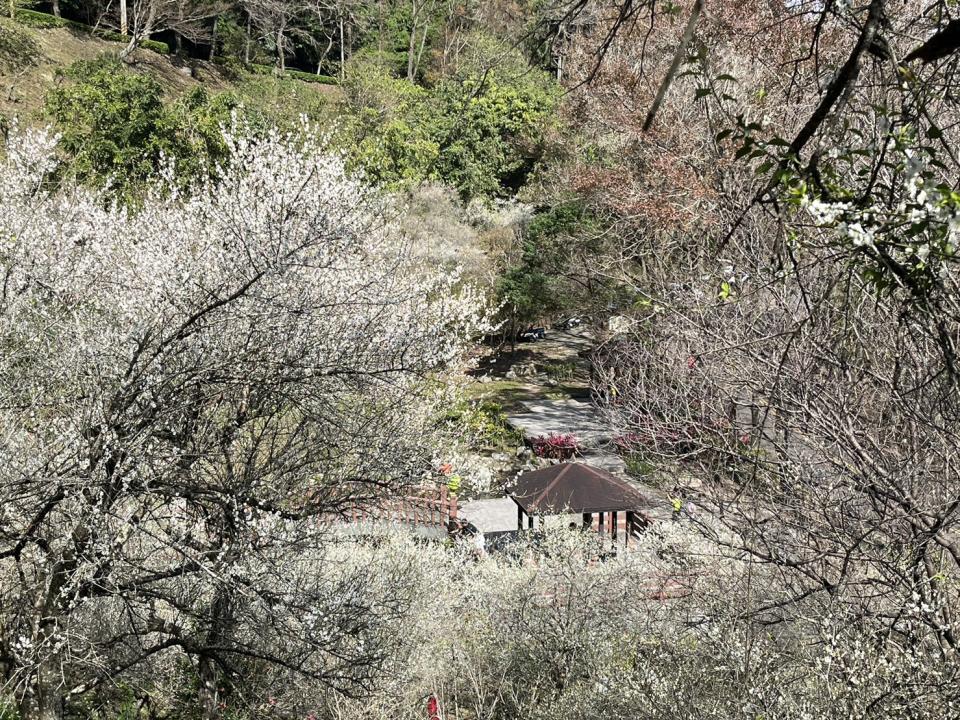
575	488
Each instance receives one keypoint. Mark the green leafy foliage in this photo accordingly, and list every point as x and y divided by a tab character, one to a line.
260	69
116	126
387	131
489	126
552	271
280	100
39	20
8	710
486	424
478	130
560	371
196	121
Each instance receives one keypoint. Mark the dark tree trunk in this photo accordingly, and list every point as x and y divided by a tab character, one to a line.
210	676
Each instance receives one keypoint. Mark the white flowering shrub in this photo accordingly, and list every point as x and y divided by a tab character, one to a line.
548	631
189	390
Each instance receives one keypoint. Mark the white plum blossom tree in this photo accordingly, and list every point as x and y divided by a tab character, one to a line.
189	391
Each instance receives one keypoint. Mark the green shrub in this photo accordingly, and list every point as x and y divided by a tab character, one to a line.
560	371
311	77
486	423
280	100
394	63
8	710
478	131
639	467
39	20
113	123
116	126
155	45
260	69
488	124
551	271
387	129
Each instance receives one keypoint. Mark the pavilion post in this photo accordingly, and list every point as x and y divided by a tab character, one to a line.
530	522
600	526
613	527
587	520
519	518
629	528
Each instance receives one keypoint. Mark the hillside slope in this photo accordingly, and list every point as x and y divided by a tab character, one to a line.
30	59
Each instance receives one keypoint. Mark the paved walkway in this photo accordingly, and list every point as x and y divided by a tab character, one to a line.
491	516
498	517
546	417
580	419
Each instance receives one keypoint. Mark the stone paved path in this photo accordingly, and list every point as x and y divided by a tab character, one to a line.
490	517
542	416
547	417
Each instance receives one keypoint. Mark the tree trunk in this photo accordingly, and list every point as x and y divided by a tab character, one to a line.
209	690
280	58
380	27
423	44
412	45
56	8
342	50
44	700
213	38
323	55
124	26
221	620
246	45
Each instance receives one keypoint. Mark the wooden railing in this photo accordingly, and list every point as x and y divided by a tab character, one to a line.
630	525
429	507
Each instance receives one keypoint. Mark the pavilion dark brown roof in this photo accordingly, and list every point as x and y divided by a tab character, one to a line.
574	488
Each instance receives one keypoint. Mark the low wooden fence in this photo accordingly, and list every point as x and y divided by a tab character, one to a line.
429	507
623	525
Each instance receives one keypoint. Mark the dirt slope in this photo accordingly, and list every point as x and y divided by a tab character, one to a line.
26	78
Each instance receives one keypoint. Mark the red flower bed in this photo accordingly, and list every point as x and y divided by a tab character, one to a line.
556	446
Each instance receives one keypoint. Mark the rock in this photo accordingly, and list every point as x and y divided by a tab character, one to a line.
524	453
511	375
500	457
